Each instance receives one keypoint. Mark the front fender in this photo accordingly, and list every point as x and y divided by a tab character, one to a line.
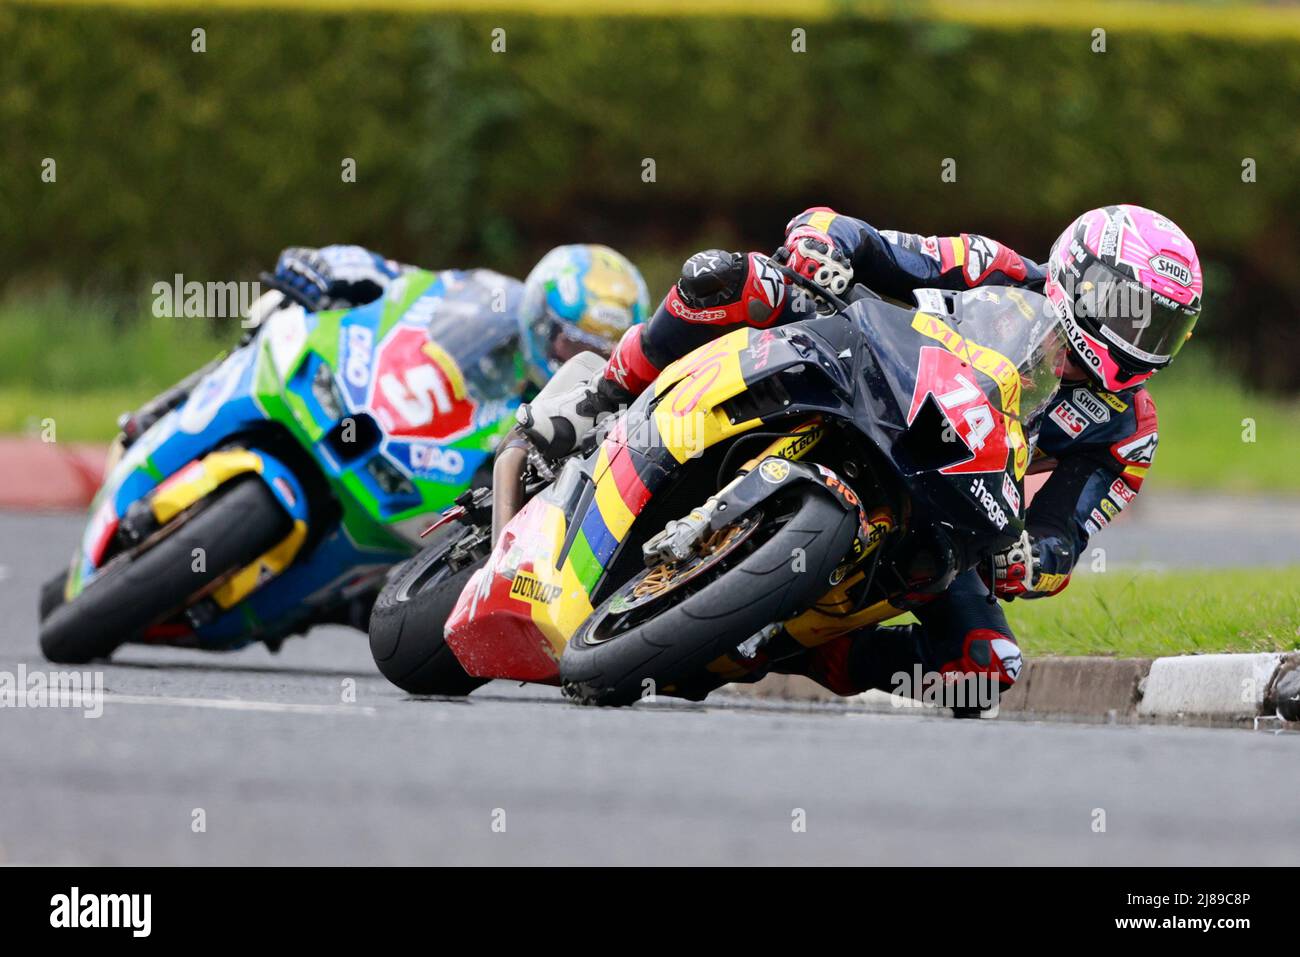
184	488
774	474
202	477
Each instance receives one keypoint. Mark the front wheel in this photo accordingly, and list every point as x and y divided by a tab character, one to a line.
630	645
407	623
230	530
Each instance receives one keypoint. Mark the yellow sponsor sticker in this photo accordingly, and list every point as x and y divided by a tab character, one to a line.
821	221
532	589
1114	401
1049	582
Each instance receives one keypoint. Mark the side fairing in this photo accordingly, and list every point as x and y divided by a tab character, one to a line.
948	407
434	366
518	613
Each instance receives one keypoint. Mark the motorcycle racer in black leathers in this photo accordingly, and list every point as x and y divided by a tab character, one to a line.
1097	438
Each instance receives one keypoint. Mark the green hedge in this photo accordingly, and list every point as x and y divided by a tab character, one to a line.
207	163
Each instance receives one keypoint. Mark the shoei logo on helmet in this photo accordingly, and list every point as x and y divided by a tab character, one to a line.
1171	269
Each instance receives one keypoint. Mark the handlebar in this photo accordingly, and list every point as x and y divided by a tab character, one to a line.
779	259
286	290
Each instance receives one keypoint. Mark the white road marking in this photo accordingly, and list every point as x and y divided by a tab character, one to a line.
238	704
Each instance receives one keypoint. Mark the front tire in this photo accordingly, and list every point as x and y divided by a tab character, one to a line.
233	529
52	594
604	665
406	626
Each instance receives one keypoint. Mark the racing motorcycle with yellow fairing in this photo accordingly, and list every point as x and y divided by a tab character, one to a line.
823	475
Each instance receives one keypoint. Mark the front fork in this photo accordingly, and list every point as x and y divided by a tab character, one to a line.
762	477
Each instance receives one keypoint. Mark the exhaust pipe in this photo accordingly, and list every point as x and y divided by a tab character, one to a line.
508	481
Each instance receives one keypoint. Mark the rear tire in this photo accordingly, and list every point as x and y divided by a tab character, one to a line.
235	527
675	646
406	626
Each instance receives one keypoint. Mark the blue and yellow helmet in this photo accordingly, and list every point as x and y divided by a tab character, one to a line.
578	299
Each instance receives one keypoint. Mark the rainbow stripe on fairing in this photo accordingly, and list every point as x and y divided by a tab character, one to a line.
620	496
686	419
517	615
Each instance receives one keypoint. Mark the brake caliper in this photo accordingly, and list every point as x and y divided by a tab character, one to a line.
681	537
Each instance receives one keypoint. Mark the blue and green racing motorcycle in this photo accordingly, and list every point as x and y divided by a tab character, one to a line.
278	485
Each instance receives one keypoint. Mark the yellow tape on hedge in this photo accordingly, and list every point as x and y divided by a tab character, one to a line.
1250	20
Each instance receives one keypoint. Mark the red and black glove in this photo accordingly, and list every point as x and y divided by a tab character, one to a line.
814	255
1019	571
1013	569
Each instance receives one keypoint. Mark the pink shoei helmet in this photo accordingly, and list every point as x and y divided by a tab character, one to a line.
1126	284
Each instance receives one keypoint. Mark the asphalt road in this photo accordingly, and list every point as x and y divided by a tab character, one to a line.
309	757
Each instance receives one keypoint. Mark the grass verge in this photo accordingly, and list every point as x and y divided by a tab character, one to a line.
80	362
1217	434
1147	614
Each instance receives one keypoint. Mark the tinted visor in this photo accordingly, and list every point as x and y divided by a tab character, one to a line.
569	340
1144	328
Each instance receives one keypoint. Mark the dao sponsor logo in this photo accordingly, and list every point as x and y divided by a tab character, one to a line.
533	589
1092	406
1010	493
356	368
1099	519
75	910
1068	418
995	513
1171	269
434	458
